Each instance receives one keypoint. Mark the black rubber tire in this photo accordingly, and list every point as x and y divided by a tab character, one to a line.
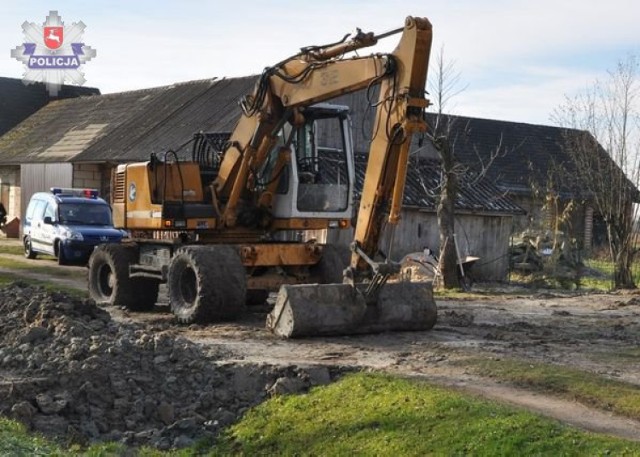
28	251
207	284
62	260
329	270
109	281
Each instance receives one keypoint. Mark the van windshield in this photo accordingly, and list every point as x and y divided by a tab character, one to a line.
83	214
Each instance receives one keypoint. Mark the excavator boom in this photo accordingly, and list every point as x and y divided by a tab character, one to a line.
376	305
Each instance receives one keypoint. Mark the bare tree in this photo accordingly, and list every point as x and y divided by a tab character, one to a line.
604	145
444	86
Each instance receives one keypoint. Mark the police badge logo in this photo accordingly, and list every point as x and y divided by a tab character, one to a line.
53	37
53	53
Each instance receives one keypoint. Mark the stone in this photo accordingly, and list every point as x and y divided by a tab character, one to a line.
182	441
318	376
35	334
23	411
90	429
165	412
48	405
50	424
287	386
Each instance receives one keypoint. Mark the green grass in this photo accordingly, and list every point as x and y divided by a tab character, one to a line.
602	281
11	249
382	415
14	264
457	294
605	268
15	441
585	387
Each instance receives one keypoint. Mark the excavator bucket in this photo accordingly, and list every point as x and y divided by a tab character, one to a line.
341	309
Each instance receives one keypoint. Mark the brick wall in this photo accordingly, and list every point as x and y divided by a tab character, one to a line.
87	176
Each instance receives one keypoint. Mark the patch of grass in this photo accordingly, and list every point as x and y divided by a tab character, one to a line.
588	388
457	294
15	441
11	249
44	269
367	414
605	269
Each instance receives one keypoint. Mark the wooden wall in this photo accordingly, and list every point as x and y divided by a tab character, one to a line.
483	236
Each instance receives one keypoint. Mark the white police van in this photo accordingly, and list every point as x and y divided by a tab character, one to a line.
68	224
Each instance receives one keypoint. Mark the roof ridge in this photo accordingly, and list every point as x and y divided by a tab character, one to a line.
502	121
213	80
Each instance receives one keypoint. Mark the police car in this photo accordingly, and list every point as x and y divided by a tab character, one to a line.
68	224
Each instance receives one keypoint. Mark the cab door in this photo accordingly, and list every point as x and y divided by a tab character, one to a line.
43	235
49	231
35	225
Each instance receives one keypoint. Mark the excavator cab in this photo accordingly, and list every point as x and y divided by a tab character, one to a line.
318	181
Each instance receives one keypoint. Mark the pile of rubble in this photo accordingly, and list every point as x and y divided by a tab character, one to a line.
68	371
560	260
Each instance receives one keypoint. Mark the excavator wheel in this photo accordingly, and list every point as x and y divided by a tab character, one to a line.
109	281
206	284
331	265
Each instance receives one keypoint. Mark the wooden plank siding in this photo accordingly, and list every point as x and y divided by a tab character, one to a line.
484	236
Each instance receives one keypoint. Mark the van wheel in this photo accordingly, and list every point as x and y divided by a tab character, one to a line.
28	252
62	259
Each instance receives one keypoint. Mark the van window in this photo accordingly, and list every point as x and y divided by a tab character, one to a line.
50	211
85	214
31	209
38	212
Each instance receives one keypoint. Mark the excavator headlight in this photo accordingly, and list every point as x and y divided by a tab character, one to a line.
342	223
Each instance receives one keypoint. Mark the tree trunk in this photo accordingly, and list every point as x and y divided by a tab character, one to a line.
622	257
446	218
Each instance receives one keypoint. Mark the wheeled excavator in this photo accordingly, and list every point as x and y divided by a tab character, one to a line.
224	227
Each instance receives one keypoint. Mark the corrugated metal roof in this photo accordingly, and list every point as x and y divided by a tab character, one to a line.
18	101
522	156
130	126
422	189
124	126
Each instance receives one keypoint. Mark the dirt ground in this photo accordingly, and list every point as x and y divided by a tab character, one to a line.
591	332
598	333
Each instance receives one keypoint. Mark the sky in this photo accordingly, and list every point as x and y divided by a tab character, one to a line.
517	60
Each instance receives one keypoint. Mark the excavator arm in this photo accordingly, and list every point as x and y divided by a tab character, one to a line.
318	74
